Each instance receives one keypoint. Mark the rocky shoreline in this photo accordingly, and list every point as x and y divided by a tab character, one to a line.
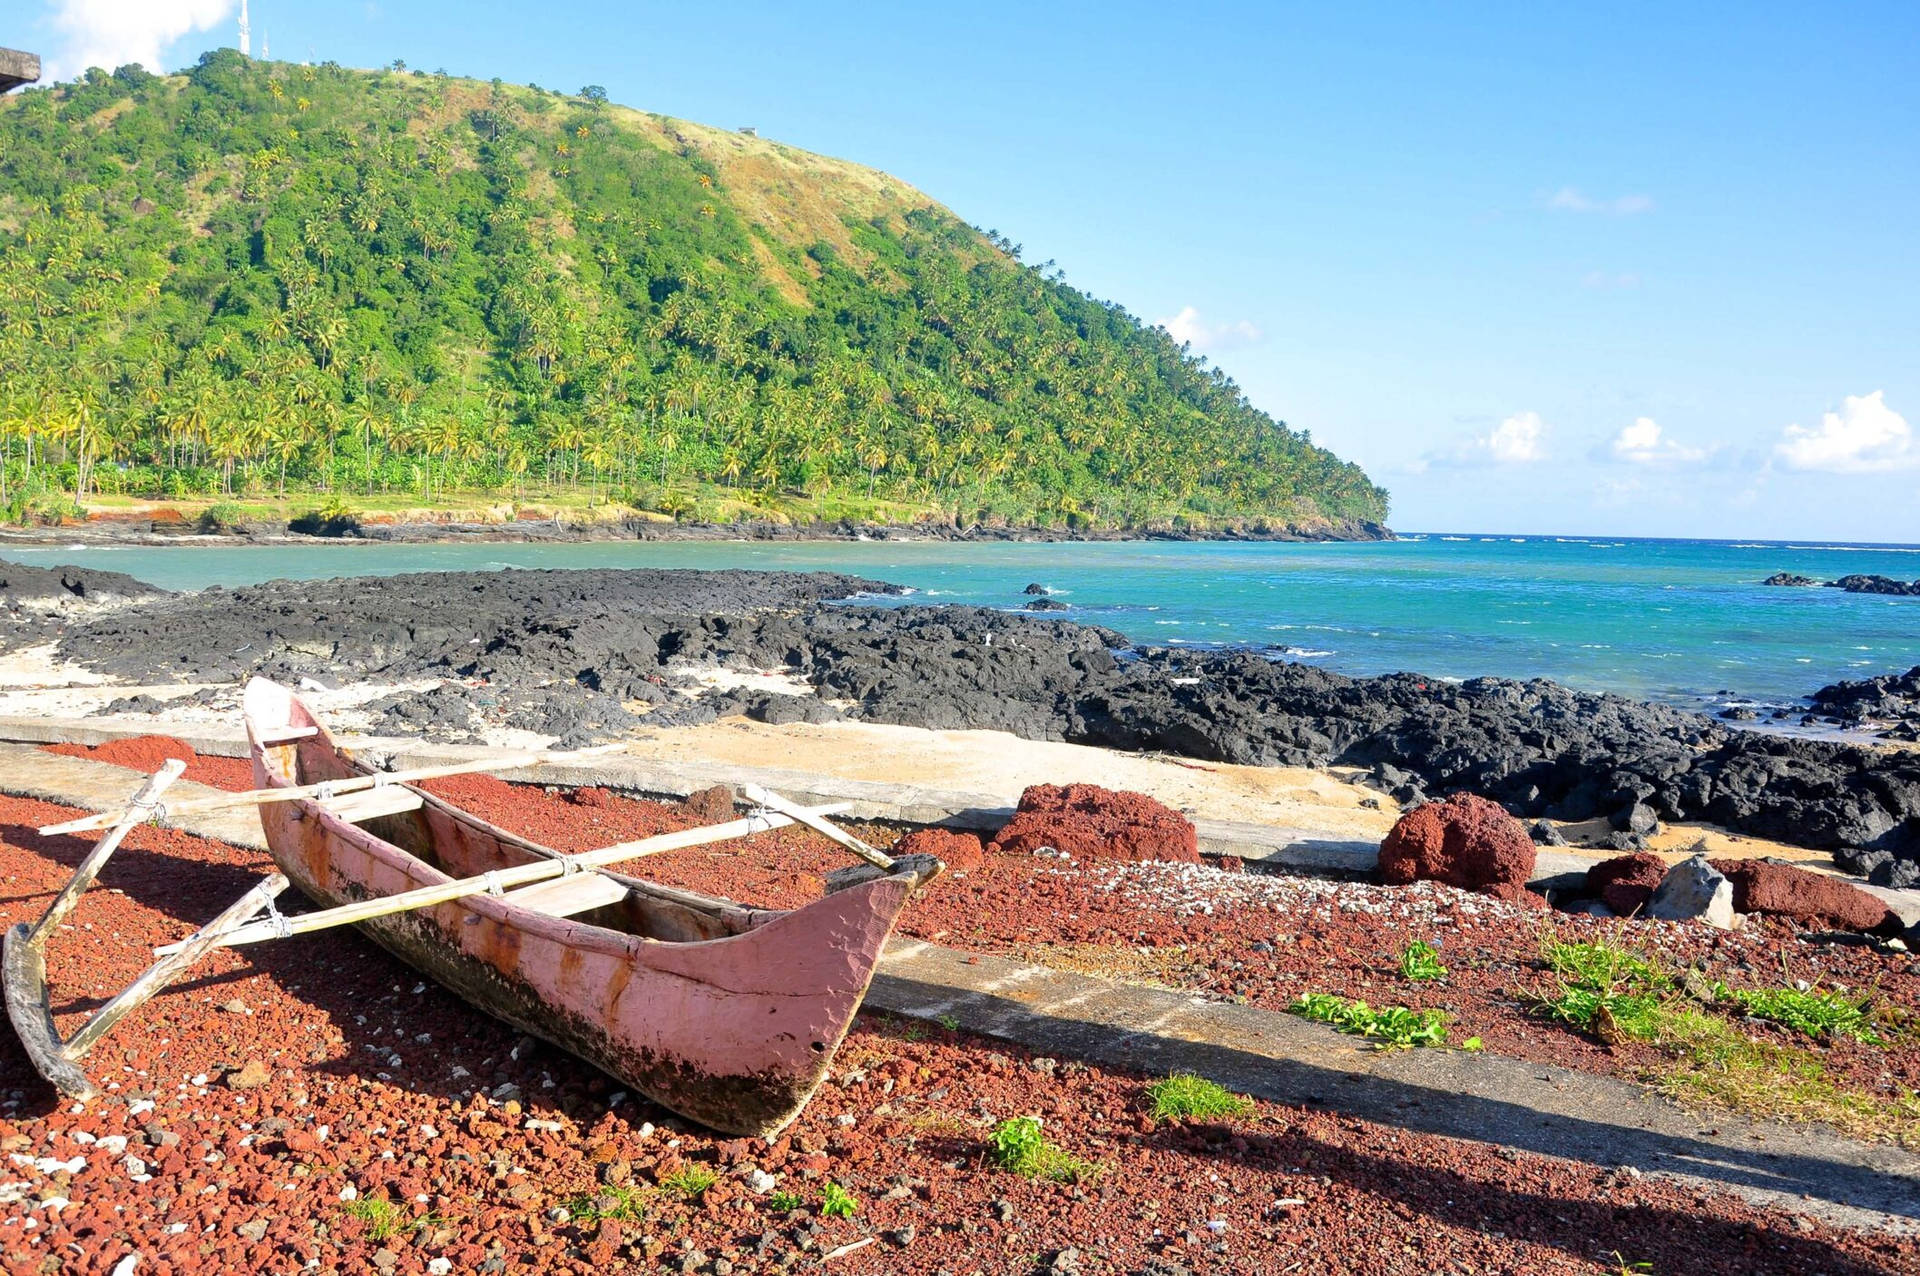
161	531
579	655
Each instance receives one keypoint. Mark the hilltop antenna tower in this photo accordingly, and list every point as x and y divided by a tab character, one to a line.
246	32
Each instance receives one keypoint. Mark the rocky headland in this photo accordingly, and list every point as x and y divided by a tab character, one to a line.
579	655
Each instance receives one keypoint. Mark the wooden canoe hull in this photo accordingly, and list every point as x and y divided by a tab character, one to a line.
730	1017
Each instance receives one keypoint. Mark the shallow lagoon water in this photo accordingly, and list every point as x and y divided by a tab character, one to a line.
1683	621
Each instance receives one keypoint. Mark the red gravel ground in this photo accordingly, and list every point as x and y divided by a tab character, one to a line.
368	1078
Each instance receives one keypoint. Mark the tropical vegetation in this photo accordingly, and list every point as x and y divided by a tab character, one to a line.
256	278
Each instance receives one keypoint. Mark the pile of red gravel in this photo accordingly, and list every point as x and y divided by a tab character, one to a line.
146	753
253	1112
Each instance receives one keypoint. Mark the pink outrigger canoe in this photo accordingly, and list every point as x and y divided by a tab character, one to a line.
725	1014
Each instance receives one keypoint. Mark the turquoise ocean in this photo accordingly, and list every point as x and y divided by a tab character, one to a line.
1677	620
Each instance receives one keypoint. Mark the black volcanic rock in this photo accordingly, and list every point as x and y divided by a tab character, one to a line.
1865	584
567	649
1891	700
1789	579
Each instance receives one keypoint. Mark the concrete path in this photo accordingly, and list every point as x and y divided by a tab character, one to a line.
1491	1099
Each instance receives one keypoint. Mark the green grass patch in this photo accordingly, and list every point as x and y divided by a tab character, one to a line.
628	1204
1420	961
1389	1027
1018	1145
1185	1095
384	1220
785	1202
1813	1013
838	1202
1620	995
690	1181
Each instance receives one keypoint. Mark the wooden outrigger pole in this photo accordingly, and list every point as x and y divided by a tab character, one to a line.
24	968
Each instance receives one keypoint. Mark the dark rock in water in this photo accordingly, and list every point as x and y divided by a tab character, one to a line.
1465	841
1860	583
1090	822
1891	700
1789	579
1772	886
1047	604
1739	713
1037	589
1625	883
1545	833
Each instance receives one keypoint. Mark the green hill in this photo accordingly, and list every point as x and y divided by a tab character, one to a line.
257	277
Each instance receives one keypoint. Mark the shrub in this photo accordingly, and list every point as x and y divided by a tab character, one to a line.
224	517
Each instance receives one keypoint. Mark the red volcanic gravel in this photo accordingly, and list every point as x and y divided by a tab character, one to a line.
251	1109
1763	886
147	753
1085	819
1464	841
1626	882
960	852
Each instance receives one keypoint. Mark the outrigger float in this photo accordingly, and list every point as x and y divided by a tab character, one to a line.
726	1014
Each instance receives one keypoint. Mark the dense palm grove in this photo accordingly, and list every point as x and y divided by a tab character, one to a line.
258	276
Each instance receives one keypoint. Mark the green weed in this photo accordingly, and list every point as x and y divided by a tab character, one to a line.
838	1202
691	1181
628	1204
1390	1027
1018	1145
1185	1095
1812	1014
950	1022
382	1217
1420	961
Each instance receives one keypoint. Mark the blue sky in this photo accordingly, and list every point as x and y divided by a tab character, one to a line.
1538	268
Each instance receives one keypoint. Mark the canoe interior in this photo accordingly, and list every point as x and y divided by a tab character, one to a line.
462	845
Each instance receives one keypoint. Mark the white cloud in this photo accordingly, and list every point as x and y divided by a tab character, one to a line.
1864	437
112	33
1188	328
1646	443
1569	199
1518	440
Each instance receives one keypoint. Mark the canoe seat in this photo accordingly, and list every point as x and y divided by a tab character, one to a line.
568	896
286	735
370	804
